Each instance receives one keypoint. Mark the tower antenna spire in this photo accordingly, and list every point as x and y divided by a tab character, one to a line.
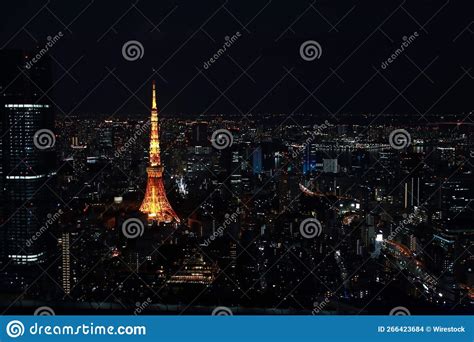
153	101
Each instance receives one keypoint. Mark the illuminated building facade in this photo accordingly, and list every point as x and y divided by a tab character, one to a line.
195	271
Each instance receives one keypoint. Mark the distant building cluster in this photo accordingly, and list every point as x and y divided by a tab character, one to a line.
221	226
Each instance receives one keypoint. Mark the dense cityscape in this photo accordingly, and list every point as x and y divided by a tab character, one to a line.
272	213
236	158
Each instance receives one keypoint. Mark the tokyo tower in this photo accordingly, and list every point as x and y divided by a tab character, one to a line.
155	203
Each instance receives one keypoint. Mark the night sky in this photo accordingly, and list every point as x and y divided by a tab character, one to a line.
178	37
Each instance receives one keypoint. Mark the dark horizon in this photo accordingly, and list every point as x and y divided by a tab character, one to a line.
262	69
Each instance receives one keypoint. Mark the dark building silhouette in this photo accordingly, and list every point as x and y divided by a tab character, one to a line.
199	134
26	117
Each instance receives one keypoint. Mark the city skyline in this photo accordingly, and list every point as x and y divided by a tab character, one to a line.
303	160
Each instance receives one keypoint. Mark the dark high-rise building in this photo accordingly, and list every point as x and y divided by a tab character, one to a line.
27	163
310	158
199	134
268	153
257	160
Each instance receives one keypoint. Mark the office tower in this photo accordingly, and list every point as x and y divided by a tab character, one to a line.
28	157
360	161
66	262
199	134
388	160
195	270
268	152
330	166
155	203
257	160
310	158
106	136
411	193
236	176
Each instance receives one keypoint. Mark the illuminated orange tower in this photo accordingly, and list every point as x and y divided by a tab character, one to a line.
155	203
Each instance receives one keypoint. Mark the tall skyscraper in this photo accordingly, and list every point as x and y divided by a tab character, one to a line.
310	158
28	158
330	166
66	262
155	203
257	160
199	134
